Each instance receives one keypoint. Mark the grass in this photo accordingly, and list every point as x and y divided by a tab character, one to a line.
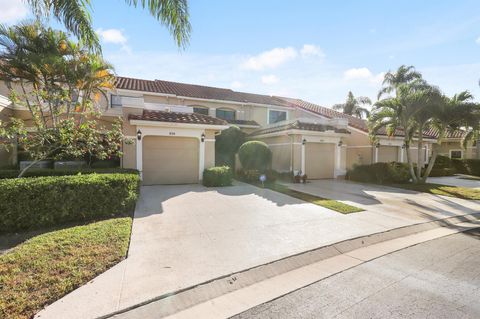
46	267
445	190
324	202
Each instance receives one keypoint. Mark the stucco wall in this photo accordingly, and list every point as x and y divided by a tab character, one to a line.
359	149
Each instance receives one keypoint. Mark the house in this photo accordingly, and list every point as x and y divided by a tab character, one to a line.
173	126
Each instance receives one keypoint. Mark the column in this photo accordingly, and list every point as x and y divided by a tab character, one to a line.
139	155
201	158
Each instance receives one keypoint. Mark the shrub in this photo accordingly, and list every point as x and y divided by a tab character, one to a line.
217	176
380	173
13	173
436	172
29	203
227	144
255	155
249	175
467	166
443	162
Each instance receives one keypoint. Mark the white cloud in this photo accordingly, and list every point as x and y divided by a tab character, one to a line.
12	11
477	40
235	85
363	74
270	59
114	36
311	50
269	79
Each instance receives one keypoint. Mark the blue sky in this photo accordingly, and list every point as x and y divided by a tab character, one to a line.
315	50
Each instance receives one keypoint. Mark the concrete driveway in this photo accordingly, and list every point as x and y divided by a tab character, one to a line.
186	235
457	180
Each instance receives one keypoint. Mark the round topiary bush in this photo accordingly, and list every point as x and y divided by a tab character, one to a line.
255	155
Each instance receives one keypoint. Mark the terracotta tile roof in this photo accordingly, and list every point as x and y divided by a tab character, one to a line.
450	133
298	125
243	122
176	117
353	121
195	91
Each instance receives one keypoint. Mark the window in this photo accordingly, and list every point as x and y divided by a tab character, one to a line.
456	154
276	116
228	115
200	110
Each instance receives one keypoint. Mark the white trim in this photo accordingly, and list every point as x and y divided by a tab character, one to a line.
178	125
209	140
283	144
274	109
361	146
244	125
375	160
299	132
303	157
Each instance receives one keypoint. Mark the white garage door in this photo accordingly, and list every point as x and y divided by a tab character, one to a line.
319	160
170	160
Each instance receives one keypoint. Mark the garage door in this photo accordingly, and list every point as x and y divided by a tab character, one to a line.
387	154
319	160
170	160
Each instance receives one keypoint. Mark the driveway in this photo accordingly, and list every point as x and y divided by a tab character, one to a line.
186	235
457	180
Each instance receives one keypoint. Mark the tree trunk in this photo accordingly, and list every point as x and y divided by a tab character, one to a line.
430	165
420	154
410	164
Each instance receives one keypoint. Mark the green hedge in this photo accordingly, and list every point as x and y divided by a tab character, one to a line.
30	203
255	155
380	173
13	173
437	172
467	166
217	176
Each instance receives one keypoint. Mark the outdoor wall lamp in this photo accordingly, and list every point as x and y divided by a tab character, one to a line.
340	143
304	141
139	135
202	138
377	145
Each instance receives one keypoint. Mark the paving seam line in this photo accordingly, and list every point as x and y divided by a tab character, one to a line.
246	277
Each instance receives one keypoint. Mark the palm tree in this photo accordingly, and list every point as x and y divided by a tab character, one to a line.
453	113
403	75
75	15
355	106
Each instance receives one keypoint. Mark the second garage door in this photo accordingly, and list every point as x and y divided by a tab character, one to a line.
319	160
170	160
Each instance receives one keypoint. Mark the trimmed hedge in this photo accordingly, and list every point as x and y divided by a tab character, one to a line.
253	175
380	173
30	203
255	155
437	172
13	173
217	176
467	166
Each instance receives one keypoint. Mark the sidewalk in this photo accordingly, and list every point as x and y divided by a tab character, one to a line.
186	235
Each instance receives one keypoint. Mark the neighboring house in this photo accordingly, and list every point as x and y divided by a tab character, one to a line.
174	127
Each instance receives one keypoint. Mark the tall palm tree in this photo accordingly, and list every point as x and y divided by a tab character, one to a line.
355	106
75	15
403	75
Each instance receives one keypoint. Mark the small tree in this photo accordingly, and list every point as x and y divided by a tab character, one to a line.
355	106
61	85
255	155
226	146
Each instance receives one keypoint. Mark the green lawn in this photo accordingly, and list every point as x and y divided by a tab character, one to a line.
438	189
324	202
48	266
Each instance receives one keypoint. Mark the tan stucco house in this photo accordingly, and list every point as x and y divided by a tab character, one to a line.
173	126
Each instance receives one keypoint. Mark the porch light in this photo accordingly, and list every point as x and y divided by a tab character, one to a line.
377	145
202	138
139	135
340	143
304	141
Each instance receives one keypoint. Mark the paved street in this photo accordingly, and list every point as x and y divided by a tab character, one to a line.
436	279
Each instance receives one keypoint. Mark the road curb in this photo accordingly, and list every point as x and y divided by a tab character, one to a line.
171	303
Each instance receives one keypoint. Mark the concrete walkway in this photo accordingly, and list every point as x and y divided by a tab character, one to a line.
186	235
456	180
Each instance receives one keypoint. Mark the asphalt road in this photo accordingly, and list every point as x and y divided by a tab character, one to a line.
436	279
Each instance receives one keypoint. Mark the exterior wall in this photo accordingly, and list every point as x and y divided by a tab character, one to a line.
469	153
388	154
209	148
359	149
281	147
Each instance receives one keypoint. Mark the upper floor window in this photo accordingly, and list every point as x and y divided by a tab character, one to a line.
225	114
275	116
200	110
